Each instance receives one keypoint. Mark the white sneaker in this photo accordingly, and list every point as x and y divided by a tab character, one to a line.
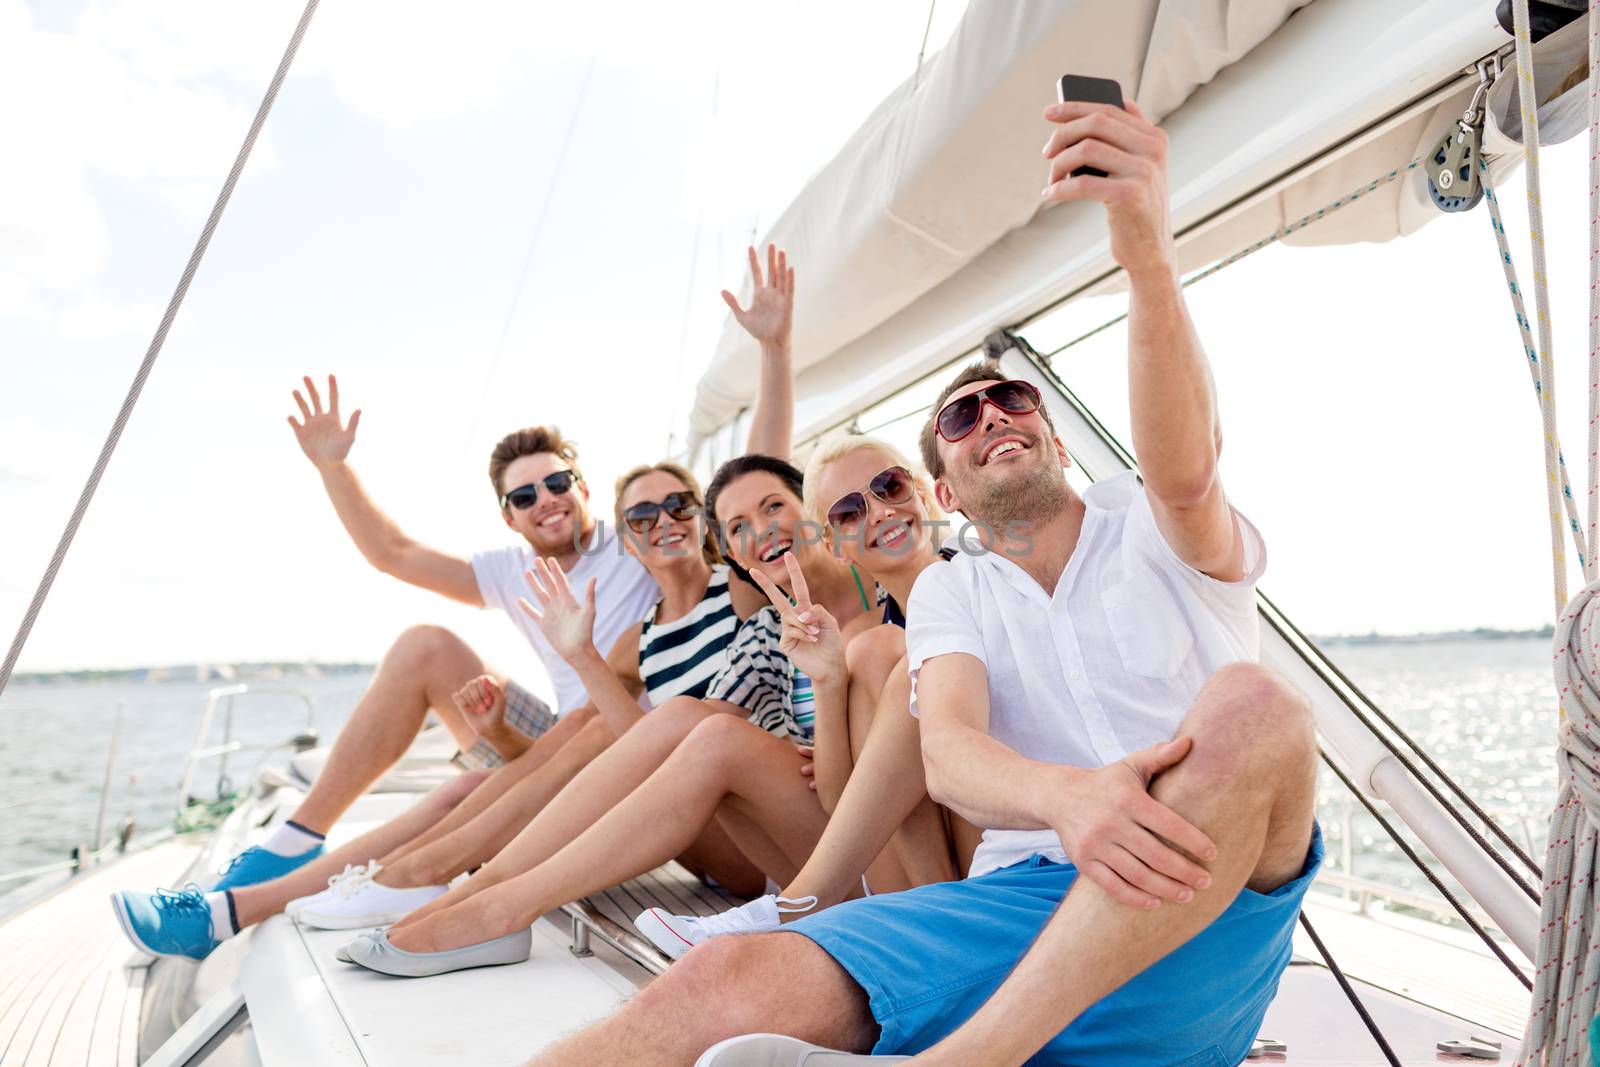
775	1050
677	934
359	901
351	871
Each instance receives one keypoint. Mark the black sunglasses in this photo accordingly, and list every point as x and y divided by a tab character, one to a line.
642	516
958	418
892	485
523	496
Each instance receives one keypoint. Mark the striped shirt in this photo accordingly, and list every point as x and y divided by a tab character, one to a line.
684	656
760	679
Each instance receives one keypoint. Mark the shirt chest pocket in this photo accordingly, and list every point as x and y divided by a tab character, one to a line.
1147	625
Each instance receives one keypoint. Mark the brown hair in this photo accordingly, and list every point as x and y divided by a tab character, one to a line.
983	370
528	442
708	542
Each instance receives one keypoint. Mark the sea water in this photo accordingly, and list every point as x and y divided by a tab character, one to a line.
1483	708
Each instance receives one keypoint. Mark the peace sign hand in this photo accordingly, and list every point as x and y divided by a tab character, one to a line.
566	624
811	637
770	315
322	437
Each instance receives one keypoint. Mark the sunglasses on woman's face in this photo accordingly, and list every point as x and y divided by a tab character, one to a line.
642	516
892	485
523	496
960	417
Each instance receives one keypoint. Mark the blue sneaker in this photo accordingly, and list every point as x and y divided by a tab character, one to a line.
165	923
256	865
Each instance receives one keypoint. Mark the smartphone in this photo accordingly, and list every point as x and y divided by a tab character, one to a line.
1093	90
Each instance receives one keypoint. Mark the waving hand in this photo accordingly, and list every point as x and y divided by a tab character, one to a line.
323	437
565	623
770	315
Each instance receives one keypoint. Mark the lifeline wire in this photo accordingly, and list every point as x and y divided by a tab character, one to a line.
156	343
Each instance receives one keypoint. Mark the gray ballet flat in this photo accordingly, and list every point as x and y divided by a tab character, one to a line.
376	954
342	953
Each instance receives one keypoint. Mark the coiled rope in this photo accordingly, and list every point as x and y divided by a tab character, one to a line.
1567	977
1567	980
156	343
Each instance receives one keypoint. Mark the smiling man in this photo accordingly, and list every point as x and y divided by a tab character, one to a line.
544	500
1088	695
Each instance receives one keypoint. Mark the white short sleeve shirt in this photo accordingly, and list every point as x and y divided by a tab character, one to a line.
624	593
1105	666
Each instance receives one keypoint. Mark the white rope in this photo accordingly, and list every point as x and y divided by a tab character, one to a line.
156	343
1567	980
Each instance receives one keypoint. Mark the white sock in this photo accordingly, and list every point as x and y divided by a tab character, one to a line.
292	839
222	926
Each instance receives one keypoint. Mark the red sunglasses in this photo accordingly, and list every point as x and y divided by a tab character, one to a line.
960	417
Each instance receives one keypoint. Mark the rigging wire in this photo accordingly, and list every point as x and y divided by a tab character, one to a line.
1428	873
157	342
1350	992
1497	223
922	50
533	248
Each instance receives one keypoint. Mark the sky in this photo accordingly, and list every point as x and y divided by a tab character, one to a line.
1380	425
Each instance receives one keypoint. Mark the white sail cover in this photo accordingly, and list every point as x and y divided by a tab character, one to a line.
925	231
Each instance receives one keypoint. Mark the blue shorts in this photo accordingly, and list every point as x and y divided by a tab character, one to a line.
928	958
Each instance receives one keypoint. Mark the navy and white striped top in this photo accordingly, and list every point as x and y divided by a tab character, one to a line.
681	657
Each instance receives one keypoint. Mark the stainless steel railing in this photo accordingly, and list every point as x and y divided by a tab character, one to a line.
225	696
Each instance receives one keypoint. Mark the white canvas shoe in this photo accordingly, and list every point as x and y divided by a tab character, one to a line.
351	871
675	935
775	1050
359	901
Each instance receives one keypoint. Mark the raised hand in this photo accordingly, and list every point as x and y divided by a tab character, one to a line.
323	437
1133	153
811	637
482	702
1125	840
565	623
770	315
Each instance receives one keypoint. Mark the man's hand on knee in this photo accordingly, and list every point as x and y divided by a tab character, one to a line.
1124	840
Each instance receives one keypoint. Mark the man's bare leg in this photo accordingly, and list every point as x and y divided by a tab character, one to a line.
254	903
750	983
1249	782
424	666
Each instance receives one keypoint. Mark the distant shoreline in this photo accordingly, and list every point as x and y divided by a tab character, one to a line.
284	671
195	673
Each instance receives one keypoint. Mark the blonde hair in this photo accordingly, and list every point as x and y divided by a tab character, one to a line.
708	543
816	509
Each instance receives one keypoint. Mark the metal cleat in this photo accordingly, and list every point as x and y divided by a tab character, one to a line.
1475	1047
1265	1046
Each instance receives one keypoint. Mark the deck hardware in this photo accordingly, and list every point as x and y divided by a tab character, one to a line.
1478	1048
1266	1046
580	938
1454	180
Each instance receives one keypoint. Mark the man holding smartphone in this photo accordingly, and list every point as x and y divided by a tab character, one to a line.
1149	790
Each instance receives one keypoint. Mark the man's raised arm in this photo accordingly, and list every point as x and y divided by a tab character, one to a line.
1176	434
326	441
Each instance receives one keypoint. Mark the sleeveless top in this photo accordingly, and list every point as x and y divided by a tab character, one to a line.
680	658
